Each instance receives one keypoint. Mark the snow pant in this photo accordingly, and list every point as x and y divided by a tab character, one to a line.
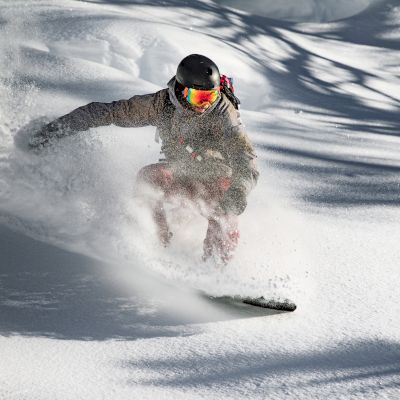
222	233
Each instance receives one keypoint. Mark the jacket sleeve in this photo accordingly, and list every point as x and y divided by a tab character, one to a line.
138	111
241	155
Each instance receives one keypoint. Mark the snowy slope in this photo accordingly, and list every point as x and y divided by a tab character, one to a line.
91	307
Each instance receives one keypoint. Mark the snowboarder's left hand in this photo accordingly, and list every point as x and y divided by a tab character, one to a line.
234	201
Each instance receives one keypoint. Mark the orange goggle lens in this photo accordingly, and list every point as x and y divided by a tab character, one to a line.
201	98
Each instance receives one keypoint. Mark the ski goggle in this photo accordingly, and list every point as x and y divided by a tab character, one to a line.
201	98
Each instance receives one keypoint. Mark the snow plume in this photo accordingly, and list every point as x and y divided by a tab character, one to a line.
80	194
272	258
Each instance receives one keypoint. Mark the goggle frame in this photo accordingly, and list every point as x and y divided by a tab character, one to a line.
201	99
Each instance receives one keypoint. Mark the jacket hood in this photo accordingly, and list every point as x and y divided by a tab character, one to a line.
179	106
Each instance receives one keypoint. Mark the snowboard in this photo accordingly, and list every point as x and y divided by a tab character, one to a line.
256	304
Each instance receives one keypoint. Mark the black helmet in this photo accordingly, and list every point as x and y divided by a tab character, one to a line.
198	72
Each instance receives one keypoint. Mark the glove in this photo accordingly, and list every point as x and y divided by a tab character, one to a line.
234	201
44	137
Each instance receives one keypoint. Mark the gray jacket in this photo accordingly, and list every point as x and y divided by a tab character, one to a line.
200	145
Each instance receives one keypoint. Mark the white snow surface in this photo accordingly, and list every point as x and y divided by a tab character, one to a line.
92	308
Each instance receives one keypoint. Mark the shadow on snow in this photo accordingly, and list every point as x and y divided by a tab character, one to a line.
369	365
49	292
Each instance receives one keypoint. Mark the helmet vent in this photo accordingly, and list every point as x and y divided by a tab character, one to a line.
209	71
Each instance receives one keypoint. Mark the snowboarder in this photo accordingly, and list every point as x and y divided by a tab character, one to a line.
208	157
